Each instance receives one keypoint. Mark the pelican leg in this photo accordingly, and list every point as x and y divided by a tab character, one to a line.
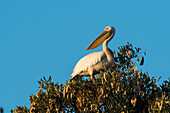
93	80
91	73
92	77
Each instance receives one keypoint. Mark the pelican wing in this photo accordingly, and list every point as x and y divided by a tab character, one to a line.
88	61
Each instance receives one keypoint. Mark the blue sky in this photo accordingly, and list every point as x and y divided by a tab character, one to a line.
47	38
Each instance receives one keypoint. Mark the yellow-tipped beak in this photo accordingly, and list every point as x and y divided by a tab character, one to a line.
99	40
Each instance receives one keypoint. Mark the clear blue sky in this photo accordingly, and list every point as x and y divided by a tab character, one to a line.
46	38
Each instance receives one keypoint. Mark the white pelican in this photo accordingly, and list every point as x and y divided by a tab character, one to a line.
92	63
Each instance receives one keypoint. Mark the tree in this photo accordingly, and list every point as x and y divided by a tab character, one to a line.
1	110
122	88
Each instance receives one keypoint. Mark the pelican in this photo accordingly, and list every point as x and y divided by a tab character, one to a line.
92	63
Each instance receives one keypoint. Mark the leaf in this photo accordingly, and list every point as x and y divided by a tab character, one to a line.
44	78
127	54
133	102
135	69
159	78
142	61
66	82
112	84
145	53
39	82
133	64
105	77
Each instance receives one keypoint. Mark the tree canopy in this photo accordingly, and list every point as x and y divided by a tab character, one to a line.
122	88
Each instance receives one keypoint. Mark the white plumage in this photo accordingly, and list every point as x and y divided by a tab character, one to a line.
87	62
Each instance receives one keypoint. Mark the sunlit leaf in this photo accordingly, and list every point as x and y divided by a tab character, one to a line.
142	61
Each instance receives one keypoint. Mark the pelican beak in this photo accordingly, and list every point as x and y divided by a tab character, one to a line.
99	40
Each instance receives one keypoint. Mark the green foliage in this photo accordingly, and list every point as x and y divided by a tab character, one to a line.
122	88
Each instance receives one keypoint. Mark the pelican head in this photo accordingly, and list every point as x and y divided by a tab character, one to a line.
110	28
108	33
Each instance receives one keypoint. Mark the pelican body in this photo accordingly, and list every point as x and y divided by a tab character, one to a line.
92	63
